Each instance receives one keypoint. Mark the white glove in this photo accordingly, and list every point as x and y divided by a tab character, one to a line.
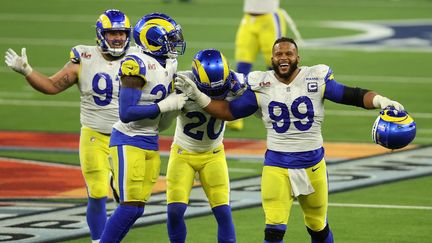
172	103
383	102
189	88
18	63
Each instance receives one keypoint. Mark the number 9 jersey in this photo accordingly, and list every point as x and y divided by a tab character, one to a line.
99	86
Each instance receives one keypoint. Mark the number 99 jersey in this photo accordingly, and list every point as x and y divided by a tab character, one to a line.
99	86
292	114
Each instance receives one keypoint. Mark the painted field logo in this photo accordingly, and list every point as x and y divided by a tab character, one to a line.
53	222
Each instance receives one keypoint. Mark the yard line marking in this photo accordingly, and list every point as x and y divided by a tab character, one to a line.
356	205
242	170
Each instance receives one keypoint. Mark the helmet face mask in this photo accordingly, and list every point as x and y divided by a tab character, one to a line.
111	21
393	129
212	74
159	35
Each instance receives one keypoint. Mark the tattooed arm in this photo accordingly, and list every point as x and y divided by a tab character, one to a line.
58	82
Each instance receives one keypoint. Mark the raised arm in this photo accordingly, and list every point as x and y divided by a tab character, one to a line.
55	84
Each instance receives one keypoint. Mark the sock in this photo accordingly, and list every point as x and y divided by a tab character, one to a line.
244	67
96	216
226	232
323	236
175	222
120	222
278	233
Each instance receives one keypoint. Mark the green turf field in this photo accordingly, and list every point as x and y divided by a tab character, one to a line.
49	28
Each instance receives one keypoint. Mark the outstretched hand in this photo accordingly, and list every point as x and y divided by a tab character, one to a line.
383	102
18	63
189	88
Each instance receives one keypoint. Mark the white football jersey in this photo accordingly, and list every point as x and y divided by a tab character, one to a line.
99	87
292	114
196	130
159	81
260	6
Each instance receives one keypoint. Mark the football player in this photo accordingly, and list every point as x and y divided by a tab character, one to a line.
146	92
263	22
197	148
94	70
290	100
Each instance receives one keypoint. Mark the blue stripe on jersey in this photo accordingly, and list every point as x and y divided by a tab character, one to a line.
334	91
277	25
121	172
139	141
245	105
293	160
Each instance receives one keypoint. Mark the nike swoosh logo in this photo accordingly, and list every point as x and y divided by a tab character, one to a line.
314	169
129	67
216	151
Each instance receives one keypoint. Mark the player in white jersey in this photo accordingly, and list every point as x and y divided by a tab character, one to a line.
146	92
94	70
198	148
290	100
263	22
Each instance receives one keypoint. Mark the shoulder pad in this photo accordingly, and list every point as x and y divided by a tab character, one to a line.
322	71
132	66
255	79
74	55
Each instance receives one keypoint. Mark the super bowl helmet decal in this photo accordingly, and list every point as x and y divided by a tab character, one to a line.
393	129
212	74
160	35
112	20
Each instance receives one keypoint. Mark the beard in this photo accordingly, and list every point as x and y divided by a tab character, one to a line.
293	66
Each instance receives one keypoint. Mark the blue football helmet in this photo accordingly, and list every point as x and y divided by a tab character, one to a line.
159	35
212	73
393	129
112	20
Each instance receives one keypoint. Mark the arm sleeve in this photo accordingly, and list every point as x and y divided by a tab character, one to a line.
342	94
245	105
130	110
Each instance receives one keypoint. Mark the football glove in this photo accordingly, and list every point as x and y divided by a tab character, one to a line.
189	88
18	63
382	102
172	103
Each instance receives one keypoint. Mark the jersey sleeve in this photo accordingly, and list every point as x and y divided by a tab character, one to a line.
245	105
132	66
334	91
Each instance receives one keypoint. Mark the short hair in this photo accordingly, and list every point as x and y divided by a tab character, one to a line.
285	39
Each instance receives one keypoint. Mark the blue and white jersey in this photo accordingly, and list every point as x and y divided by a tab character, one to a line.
158	85
196	130
292	114
99	86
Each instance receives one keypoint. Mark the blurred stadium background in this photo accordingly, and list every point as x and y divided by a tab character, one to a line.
398	67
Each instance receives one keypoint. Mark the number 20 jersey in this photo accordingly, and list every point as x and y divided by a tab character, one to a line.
293	113
99	86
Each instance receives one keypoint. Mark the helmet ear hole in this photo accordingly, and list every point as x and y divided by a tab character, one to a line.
393	129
